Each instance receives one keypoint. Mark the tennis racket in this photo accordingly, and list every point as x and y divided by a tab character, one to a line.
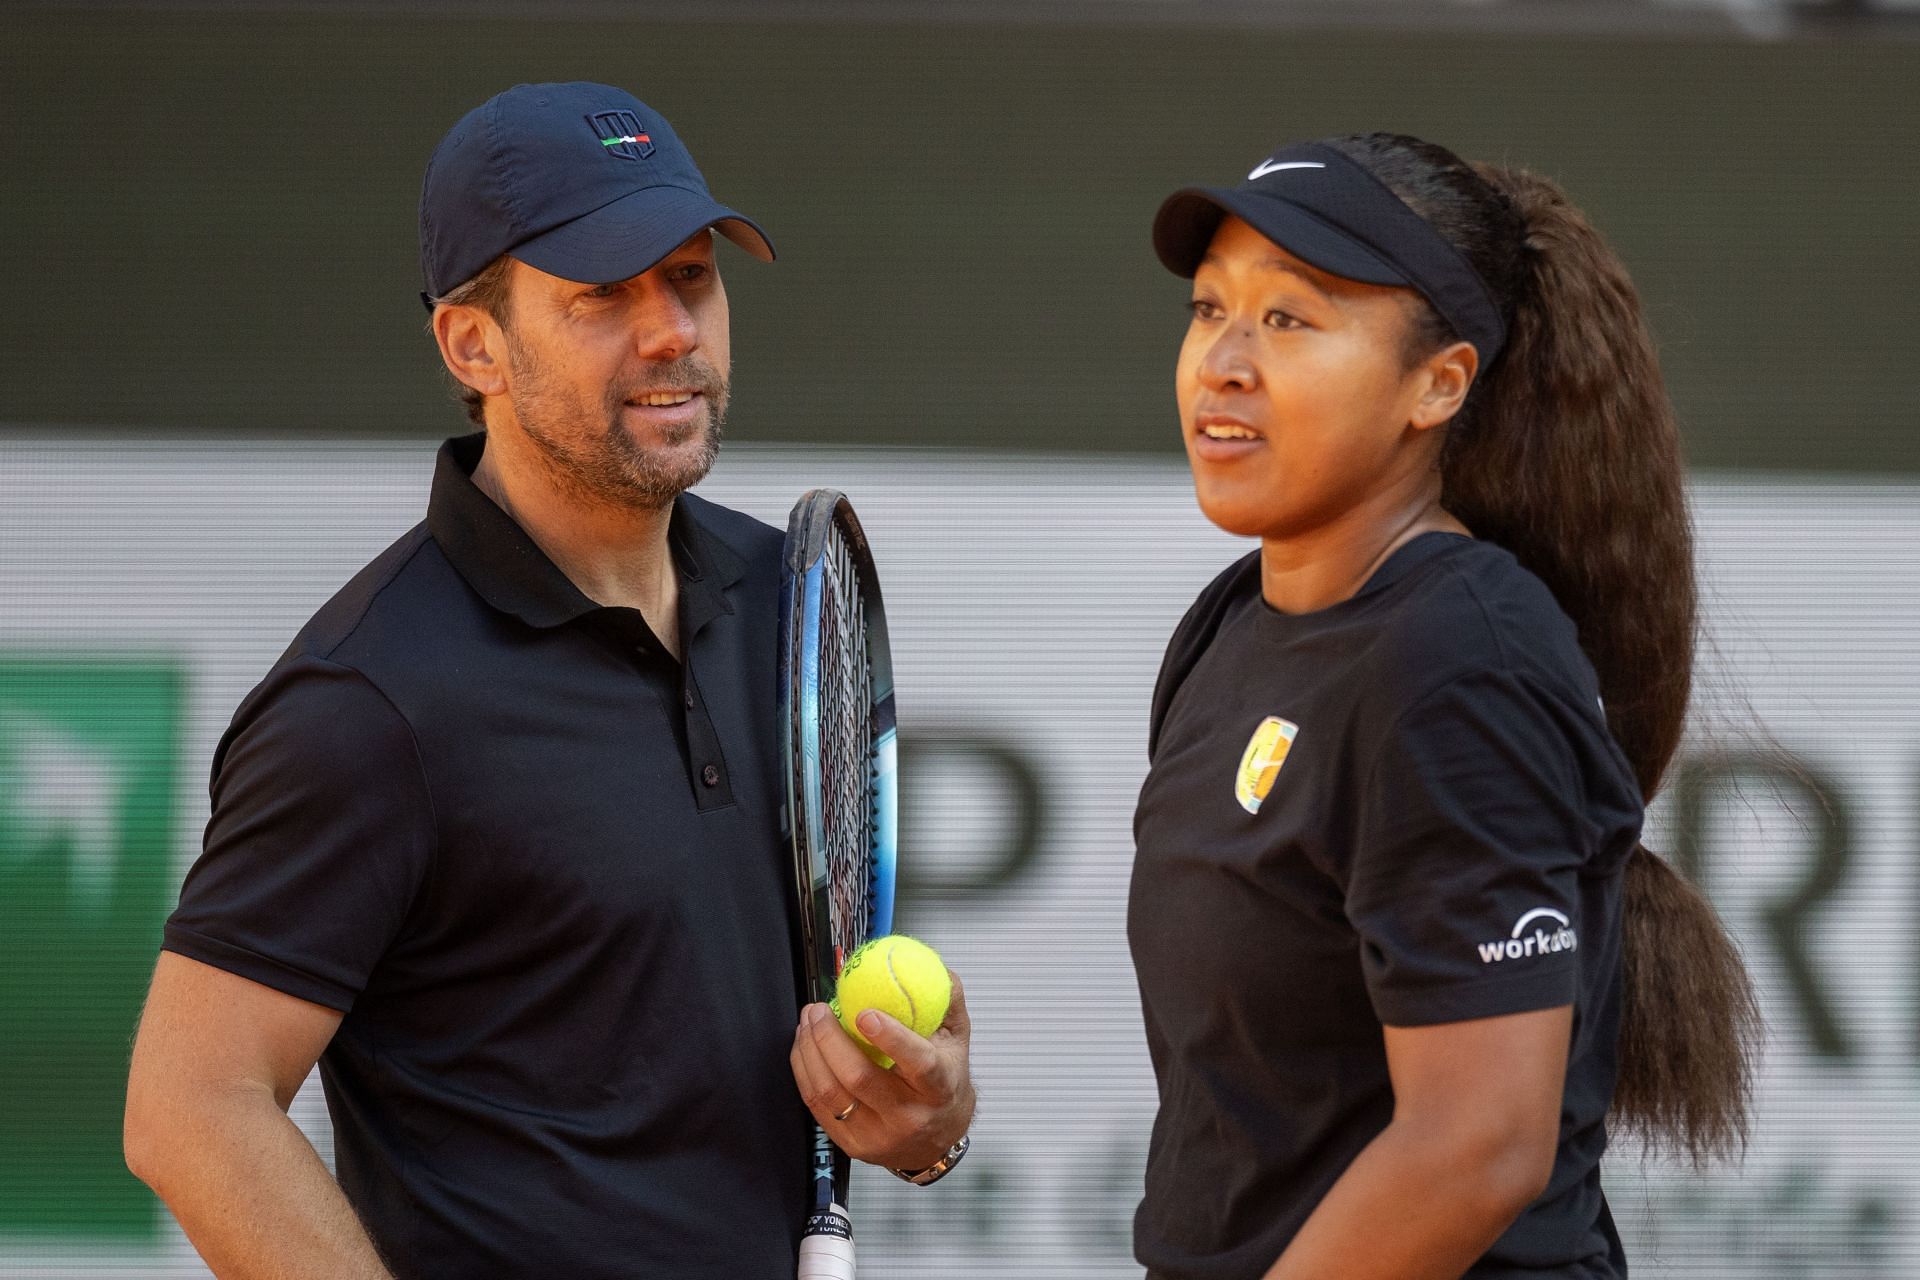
837	718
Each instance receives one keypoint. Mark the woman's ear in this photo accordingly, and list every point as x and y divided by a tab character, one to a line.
1445	378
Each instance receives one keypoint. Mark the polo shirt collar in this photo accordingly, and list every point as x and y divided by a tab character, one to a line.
510	572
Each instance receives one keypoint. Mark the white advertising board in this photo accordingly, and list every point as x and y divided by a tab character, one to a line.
1031	597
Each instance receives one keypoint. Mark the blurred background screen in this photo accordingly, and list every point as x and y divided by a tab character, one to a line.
218	400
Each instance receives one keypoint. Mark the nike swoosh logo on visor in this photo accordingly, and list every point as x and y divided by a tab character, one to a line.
1266	167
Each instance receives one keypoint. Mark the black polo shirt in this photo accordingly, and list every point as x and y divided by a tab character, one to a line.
1404	809
536	864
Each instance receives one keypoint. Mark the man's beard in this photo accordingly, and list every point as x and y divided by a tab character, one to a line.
591	454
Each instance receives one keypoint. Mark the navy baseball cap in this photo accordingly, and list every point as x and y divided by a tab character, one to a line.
1317	204
582	180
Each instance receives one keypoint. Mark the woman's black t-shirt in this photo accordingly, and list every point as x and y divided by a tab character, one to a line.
1403	809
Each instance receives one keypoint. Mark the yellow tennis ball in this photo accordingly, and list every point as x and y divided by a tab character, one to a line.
897	975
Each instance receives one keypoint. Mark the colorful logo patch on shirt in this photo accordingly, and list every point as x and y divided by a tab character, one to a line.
1260	765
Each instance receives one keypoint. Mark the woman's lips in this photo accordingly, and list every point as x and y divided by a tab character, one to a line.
1221	437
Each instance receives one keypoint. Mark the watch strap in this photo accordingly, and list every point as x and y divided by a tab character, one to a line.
938	1169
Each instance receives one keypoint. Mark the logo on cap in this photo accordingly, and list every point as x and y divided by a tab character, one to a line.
619	132
1266	167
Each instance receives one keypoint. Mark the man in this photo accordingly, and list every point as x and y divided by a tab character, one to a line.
495	841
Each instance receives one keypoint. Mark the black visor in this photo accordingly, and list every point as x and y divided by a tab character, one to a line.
1323	208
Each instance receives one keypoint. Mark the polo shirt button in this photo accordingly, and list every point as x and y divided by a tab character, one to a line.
710	775
689	699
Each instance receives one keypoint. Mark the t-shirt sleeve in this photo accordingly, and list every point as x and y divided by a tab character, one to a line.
1470	840
1191	638
321	834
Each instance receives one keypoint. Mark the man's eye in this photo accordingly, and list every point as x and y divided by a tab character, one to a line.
602	291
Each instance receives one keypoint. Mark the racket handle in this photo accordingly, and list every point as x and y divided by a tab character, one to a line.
826	1246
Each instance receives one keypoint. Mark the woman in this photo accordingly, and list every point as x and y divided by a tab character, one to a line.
1399	948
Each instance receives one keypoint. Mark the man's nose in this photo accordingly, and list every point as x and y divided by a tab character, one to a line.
663	327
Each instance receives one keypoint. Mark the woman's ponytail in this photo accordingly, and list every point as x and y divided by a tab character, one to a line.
1566	453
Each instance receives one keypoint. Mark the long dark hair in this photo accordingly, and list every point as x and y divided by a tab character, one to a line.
1566	453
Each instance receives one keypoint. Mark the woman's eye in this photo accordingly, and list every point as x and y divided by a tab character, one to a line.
1201	309
1284	320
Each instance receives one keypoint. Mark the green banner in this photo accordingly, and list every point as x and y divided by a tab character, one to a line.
89	753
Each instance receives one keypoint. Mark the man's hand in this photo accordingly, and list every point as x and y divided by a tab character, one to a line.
904	1118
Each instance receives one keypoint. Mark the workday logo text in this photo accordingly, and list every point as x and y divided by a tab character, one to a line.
1551	932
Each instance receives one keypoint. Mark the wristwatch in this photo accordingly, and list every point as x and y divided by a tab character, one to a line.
938	1169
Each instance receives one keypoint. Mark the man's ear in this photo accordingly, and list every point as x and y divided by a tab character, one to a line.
473	346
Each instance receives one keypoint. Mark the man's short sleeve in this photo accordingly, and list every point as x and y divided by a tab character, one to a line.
1472	832
322	832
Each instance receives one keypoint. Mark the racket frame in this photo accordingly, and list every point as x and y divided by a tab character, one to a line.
804	584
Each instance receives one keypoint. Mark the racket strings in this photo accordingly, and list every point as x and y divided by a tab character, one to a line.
846	750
